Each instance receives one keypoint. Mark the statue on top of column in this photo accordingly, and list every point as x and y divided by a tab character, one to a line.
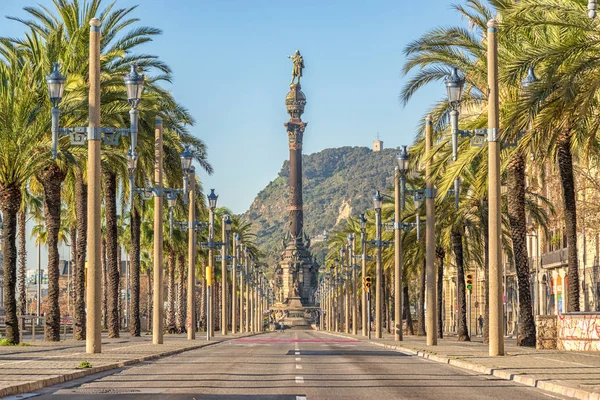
298	66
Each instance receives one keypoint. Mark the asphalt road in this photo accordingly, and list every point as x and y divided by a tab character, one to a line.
294	365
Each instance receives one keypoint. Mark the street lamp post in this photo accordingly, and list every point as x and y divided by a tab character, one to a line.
354	293
398	256
363	243
346	276
190	186
377	202
418	196
247	290
454	85
94	134
225	229
212	204
234	300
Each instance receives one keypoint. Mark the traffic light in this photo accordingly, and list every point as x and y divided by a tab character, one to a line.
367	282
469	281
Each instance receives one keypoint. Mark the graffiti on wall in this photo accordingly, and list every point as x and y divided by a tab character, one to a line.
579	332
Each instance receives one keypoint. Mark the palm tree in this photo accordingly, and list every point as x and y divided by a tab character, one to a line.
436	52
30	205
20	155
562	108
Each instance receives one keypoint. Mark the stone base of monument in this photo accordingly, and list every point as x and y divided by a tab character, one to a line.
292	314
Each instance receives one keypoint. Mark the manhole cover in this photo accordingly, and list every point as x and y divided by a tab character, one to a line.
106	391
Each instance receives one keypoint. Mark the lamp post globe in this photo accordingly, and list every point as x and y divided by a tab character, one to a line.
132	159
363	222
186	159
592	7
227	223
212	199
530	79
134	83
417	200
454	87
56	84
402	160
377	200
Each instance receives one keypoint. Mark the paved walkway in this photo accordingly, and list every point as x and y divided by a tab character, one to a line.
27	368
573	374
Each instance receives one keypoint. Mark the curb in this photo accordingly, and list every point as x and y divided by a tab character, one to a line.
27	387
500	373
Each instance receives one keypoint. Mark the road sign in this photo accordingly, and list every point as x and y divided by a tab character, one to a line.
476	304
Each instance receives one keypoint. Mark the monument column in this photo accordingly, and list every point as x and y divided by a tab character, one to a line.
295	102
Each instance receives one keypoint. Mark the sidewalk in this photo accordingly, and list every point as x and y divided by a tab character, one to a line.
573	374
28	368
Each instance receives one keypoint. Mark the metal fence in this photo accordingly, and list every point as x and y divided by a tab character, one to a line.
31	327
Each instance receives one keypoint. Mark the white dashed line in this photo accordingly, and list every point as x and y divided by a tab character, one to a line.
300	397
297	353
298	359
299	379
298	366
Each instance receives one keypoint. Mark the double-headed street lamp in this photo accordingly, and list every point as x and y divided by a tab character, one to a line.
378	244
418	196
94	134
454	86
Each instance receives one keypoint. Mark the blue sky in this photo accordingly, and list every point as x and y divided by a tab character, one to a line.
230	70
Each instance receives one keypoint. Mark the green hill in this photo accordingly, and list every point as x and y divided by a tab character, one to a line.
337	183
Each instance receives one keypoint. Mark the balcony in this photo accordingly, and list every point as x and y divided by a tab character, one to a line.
554	258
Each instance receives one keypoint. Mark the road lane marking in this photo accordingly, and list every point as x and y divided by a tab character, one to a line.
298	366
300	397
297	353
298	359
299	379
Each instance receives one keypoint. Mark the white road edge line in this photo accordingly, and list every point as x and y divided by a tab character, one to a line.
299	379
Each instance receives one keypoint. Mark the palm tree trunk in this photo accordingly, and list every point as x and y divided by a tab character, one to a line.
51	179
461	295
518	232
104	283
441	254
406	315
203	303
119	297
79	271
388	308
71	281
112	243
22	261
171	290
565	167
421	327
10	202
134	274
181	326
